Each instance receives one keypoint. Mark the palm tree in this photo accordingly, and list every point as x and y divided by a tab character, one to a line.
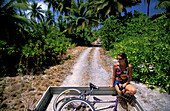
148	2
64	6
108	7
50	17
12	34
10	21
163	4
61	23
81	16
61	6
114	7
52	4
128	3
36	12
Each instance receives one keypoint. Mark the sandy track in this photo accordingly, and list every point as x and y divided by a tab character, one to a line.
78	70
85	71
98	75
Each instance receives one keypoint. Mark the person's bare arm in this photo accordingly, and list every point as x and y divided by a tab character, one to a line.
114	74
130	76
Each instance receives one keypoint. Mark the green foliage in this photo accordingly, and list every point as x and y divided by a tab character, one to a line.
145	42
107	32
43	50
29	46
2	89
82	37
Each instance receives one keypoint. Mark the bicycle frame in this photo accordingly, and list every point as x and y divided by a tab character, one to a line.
107	107
83	95
86	96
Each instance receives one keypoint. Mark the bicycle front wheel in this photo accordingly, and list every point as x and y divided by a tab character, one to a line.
64	96
77	104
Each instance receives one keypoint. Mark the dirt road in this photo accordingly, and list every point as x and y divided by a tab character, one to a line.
89	64
88	68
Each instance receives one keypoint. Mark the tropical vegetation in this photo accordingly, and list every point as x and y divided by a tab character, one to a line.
33	39
146	43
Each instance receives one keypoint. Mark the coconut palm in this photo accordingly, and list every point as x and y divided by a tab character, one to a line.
148	2
80	15
52	4
50	17
60	6
64	6
61	24
128	3
163	4
12	34
108	7
10	21
36	12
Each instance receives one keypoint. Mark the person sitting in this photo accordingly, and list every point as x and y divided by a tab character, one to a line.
122	74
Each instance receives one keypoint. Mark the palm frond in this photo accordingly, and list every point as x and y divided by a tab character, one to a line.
120	7
161	15
82	26
69	29
108	10
163	4
20	5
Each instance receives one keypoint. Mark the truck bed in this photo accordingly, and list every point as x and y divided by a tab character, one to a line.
104	93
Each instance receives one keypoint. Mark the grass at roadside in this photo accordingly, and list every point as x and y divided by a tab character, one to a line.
23	92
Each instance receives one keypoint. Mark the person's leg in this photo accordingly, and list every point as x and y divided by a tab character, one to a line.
117	89
121	100
116	86
130	89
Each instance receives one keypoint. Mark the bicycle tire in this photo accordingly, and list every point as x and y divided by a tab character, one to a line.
76	104
63	96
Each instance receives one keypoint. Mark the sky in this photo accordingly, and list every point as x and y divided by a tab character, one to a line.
43	6
143	8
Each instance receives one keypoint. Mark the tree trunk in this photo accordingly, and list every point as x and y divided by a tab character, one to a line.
148	1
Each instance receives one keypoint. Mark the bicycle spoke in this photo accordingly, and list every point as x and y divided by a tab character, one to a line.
65	96
76	104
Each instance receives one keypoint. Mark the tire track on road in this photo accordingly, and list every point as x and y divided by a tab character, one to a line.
78	70
98	75
88	70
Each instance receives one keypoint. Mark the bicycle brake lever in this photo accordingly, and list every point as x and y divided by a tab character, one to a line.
92	86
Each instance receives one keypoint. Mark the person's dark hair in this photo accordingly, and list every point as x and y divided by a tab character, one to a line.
123	55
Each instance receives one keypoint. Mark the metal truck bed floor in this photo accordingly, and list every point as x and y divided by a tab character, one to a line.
104	93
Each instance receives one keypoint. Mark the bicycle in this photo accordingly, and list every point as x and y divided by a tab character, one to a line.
81	101
64	96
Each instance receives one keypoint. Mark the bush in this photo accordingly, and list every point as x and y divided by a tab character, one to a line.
43	52
81	38
147	45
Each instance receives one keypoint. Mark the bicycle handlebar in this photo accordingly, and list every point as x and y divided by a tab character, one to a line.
92	86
